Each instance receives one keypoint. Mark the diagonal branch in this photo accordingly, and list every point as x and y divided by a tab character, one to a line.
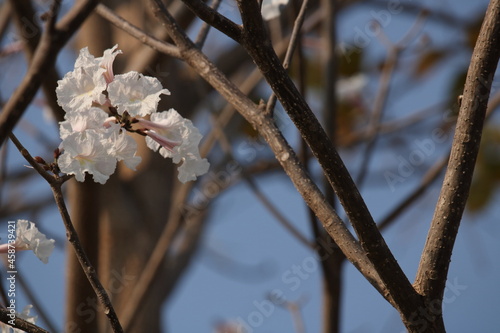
284	153
19	323
216	20
205	28
56	183
24	11
433	269
256	41
151	41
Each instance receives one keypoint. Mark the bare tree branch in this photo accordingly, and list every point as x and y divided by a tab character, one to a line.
285	155
216	20
20	323
433	269
25	15
56	183
257	43
292	44
137	33
205	28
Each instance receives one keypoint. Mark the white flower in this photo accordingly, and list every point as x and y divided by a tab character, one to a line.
87	152
272	8
177	138
93	118
86	60
85	85
123	148
191	167
135	93
29	238
79	89
100	107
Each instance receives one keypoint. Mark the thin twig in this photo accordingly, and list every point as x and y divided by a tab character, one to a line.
132	30
88	269
5	18
429	178
205	28
276	213
215	19
27	156
294	39
383	93
56	182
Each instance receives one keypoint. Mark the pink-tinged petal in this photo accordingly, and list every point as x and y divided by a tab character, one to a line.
106	62
169	127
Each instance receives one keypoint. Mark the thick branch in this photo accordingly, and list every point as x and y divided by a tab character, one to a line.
284	153
216	20
434	264
45	55
258	45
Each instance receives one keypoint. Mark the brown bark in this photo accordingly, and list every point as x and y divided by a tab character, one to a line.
433	269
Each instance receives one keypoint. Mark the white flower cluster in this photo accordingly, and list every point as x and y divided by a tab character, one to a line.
29	238
272	8
25	314
101	107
